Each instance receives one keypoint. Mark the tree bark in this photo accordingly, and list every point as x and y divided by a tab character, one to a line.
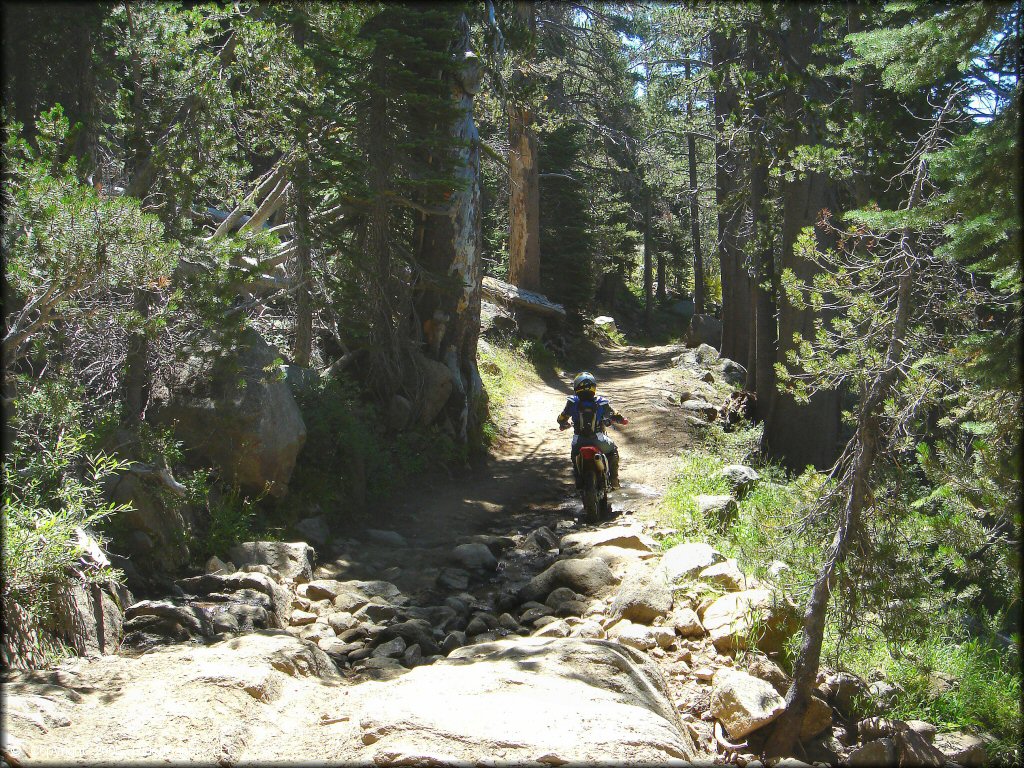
648	267
728	162
302	349
452	245
524	192
761	361
698	256
796	434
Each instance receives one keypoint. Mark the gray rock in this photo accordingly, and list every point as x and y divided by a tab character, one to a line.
962	748
414	632
720	507
412	656
452	641
90	618
617	536
277	602
315	530
541	540
453	578
532	614
586	575
926	729
332	646
376	610
294	561
817	719
742	702
687	622
684	561
700	408
586	701
765	669
913	749
399	413
156	530
340	621
751	618
433	380
740	477
726	575
394	647
704	330
475	556
734	373
231	407
879	752
532	326
322	589
643	596
845	690
560	595
556	628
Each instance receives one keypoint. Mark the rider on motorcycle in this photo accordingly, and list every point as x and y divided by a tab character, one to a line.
590	414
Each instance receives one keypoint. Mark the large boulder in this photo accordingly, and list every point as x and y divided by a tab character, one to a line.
963	748
293	560
586	575
742	702
704	329
536	699
91	617
231	406
152	530
685	561
434	383
751	618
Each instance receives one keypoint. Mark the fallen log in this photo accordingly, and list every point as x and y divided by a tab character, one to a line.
509	295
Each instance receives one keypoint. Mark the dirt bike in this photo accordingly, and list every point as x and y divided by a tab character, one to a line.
596	478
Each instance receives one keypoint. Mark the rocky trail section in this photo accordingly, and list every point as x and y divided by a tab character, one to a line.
479	624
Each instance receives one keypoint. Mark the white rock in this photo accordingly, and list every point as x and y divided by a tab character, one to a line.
742	702
687	623
726	575
685	561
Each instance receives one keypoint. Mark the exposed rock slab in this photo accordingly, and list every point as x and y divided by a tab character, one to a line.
580	700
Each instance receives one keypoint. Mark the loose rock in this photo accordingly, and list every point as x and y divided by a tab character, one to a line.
685	561
742	702
587	575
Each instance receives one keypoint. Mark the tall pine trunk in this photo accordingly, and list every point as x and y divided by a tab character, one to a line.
524	194
648	266
451	245
728	162
799	434
698	256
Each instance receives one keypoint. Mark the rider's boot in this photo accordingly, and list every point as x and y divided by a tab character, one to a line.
613	470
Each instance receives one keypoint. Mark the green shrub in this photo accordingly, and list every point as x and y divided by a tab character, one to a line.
52	490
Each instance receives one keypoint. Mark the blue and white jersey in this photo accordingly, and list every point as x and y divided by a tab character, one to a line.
588	416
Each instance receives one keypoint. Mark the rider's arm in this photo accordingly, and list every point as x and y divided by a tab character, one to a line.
615	416
565	415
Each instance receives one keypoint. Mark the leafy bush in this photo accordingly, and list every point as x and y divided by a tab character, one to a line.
52	491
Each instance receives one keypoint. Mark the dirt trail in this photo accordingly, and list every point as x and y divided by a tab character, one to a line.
527	481
529	477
